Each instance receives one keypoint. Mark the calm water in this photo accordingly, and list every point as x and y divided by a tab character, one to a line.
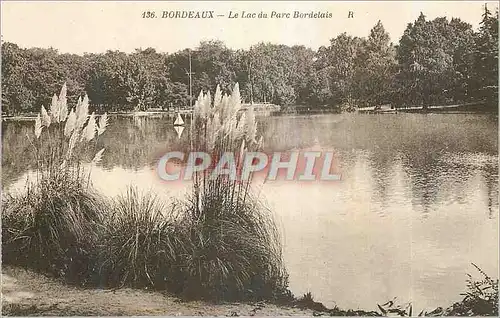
418	200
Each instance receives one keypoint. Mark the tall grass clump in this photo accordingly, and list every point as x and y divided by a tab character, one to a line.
231	247
140	243
53	225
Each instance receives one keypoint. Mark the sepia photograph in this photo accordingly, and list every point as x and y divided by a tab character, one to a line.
253	158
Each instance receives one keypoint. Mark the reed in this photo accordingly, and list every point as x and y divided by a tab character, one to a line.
53	225
63	140
233	246
141	243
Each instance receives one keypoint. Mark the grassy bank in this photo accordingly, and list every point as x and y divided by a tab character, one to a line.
135	240
218	244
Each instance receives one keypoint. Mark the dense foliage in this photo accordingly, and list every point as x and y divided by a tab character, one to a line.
435	62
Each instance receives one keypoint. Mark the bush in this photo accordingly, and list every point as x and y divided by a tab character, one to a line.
233	246
140	244
222	254
481	298
233	253
53	227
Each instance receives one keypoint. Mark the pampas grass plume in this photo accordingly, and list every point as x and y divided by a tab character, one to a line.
70	124
103	123
90	129
38	126
45	117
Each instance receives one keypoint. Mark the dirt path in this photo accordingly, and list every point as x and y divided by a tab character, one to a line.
28	293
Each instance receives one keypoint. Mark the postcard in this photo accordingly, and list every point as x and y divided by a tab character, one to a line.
227	158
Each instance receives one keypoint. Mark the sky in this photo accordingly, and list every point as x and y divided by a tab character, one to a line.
98	26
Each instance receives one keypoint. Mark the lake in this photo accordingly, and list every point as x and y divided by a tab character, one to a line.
417	203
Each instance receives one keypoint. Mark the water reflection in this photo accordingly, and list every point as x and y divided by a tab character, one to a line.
418	200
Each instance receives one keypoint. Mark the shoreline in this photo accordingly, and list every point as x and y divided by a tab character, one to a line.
29	293
158	114
26	292
467	108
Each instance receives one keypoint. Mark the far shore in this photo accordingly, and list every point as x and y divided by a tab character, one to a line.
271	109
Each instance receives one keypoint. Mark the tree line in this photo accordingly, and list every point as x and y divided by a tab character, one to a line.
436	62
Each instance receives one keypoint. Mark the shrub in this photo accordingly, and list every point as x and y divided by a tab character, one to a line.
232	253
140	244
54	225
480	299
233	246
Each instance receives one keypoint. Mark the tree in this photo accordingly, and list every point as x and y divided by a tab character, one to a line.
178	95
145	79
486	59
376	67
461	40
274	72
339	63
16	97
434	61
107	75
